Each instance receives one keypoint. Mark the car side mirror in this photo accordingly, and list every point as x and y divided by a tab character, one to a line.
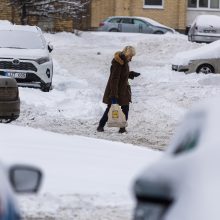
50	47
25	179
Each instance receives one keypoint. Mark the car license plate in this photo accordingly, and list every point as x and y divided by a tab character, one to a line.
209	31
16	75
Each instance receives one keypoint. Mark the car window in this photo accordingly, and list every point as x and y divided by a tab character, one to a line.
21	39
115	20
189	133
126	21
190	142
139	22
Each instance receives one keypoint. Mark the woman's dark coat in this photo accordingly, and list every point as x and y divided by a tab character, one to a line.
118	86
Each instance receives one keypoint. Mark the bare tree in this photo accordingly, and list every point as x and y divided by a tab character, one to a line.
56	8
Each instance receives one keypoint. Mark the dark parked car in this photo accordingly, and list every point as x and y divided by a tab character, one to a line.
133	24
20	179
9	99
184	183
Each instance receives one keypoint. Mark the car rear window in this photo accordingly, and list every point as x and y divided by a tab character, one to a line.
115	20
20	39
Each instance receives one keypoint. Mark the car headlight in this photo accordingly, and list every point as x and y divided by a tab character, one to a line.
43	60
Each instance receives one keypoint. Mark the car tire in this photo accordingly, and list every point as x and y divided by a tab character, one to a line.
158	32
205	68
46	87
113	30
189	38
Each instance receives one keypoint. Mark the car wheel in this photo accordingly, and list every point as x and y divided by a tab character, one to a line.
6	120
113	30
189	38
205	68
46	87
158	32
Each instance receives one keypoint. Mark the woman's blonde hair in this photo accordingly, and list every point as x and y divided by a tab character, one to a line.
129	51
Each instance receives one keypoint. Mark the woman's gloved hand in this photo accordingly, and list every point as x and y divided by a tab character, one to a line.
133	74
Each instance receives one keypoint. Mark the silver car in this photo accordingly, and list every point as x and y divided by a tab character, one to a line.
205	59
133	25
205	28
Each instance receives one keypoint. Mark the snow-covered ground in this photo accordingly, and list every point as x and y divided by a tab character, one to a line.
84	178
81	69
74	107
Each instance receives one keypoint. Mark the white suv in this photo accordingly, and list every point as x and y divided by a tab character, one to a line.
25	56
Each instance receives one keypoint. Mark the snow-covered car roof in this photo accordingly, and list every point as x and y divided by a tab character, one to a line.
21	36
208	51
207	20
20	28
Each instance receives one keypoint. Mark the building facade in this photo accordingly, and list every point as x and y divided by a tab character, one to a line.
177	14
168	12
198	7
173	13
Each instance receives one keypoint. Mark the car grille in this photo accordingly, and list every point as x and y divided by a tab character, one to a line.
8	93
20	66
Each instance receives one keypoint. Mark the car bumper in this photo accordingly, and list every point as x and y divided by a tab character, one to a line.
10	109
204	38
180	68
26	76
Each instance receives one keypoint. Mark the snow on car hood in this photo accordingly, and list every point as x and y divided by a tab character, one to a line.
208	51
155	23
22	53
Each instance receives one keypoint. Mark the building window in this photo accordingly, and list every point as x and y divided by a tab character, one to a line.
214	4
192	3
203	4
153	3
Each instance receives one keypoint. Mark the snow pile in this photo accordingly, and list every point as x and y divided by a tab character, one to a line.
79	173
73	165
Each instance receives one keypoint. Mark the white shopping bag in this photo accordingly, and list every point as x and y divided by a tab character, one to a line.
116	117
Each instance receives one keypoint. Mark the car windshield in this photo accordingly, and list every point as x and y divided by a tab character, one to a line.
20	39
